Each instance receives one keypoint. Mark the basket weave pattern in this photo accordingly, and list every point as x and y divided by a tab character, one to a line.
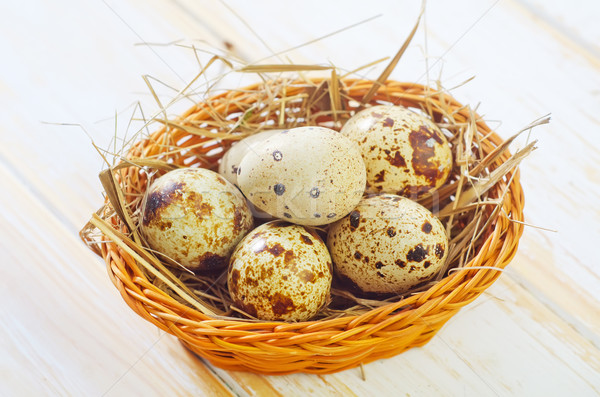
322	346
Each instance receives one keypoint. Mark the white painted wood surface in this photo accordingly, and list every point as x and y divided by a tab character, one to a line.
63	327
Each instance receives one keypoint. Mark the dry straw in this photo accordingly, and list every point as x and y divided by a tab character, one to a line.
481	207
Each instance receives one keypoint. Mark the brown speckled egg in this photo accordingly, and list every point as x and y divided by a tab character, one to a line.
195	217
405	152
387	245
233	157
306	175
280	271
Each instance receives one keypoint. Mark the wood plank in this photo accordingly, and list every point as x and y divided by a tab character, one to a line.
64	329
83	78
575	20
560	184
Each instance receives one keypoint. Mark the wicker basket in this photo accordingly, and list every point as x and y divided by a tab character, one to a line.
322	346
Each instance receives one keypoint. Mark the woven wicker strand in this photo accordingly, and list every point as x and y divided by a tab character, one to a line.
322	346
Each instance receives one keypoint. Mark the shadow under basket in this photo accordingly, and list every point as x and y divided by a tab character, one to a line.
327	345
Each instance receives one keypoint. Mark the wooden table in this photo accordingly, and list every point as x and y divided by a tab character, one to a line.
64	330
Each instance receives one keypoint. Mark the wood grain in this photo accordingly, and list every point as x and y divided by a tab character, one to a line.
64	329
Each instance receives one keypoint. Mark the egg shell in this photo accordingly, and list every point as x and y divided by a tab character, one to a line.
230	162
195	217
280	271
387	245
405	152
305	175
233	157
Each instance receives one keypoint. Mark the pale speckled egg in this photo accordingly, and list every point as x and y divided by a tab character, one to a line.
280	271
233	157
305	175
387	245
195	217
405	152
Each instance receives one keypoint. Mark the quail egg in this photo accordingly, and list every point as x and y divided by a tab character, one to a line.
280	271
231	159
195	217
305	175
405	152
387	245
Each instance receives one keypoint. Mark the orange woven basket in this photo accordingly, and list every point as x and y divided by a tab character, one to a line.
320	346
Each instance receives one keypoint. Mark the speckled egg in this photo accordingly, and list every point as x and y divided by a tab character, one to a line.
232	158
387	245
405	152
305	175
195	217
280	271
